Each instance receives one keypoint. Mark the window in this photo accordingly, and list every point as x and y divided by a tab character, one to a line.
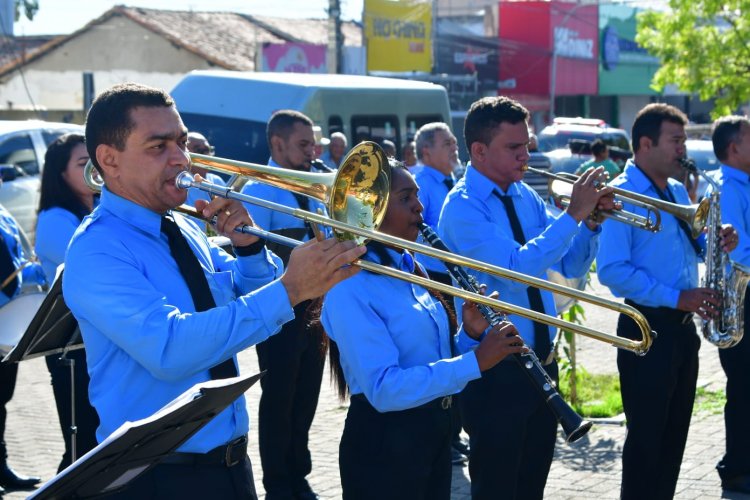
19	150
335	124
242	140
376	128
414	122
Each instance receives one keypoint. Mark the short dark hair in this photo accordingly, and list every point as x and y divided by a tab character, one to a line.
725	131
55	191
648	122
109	120
486	114
598	147
282	122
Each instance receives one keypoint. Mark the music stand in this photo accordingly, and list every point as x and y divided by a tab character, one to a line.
135	447
52	330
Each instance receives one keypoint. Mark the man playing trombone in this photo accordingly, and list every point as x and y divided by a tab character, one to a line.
160	308
492	216
658	275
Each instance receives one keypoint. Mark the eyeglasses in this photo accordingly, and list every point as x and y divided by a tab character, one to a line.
205	151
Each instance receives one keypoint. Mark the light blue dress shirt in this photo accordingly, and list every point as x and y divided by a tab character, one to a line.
271	220
474	223
31	274
648	268
195	194
394	340
735	209
432	194
145	343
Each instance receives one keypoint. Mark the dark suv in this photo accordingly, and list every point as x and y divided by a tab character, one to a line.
566	142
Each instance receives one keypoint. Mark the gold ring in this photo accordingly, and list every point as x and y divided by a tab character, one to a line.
228	213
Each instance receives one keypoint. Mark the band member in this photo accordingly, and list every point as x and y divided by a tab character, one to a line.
394	348
336	151
65	200
15	270
492	216
293	357
731	139
159	307
657	273
437	150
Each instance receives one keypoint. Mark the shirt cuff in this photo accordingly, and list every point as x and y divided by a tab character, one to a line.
464	343
257	264
272	304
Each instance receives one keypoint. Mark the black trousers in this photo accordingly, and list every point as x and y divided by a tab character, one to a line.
658	391
397	454
86	418
8	373
294	362
192	482
512	433
736	364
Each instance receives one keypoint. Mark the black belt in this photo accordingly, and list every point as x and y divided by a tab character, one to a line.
444	403
664	313
227	455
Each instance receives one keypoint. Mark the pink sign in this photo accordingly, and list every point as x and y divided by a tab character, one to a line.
294	58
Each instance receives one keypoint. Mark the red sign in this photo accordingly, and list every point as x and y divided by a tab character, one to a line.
539	38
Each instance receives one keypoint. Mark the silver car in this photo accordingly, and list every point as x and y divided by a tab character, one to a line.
22	148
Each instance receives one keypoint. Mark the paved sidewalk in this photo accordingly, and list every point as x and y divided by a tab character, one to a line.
588	469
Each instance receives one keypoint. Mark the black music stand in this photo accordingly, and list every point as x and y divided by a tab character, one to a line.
137	446
53	329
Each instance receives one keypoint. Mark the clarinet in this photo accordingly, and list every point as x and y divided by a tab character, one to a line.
573	425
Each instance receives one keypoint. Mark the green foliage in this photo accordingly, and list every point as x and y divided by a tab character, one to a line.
29	7
711	402
598	395
704	48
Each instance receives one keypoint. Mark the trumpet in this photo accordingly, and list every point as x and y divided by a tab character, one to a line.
357	196
695	215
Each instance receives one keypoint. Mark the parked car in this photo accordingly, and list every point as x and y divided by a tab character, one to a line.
22	148
567	142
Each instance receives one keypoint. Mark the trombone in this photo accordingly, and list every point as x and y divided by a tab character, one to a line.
357	197
695	215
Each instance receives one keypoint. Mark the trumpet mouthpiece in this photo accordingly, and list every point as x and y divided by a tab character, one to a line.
524	168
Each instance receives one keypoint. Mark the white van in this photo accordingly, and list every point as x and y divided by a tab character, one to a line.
232	108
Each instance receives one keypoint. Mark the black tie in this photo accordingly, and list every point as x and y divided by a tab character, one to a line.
541	331
192	272
7	267
448	181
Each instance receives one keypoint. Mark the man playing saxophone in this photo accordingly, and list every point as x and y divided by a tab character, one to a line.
657	273
731	140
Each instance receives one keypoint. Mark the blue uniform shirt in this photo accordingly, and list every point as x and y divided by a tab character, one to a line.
735	209
648	268
394	340
145	344
271	220
54	229
31	274
474	223
432	193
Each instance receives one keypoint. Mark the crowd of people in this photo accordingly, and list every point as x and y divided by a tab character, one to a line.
161	307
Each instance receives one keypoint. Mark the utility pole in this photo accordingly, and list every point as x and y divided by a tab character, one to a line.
335	37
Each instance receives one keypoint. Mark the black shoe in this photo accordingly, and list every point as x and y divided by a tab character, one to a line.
461	446
2	491
12	481
303	491
739	484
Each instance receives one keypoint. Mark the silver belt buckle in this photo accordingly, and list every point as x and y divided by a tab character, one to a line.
446	402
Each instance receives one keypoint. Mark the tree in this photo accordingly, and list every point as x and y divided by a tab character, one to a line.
29	7
704	48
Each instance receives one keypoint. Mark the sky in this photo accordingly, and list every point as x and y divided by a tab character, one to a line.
66	16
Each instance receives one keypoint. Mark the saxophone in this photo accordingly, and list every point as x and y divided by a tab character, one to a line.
726	277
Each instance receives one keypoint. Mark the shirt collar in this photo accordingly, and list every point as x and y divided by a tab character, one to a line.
734	173
431	171
482	186
637	178
403	260
133	214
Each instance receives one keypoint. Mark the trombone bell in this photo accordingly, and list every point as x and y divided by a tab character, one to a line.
356	194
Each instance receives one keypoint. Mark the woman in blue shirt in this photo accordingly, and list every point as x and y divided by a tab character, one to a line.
392	351
65	200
